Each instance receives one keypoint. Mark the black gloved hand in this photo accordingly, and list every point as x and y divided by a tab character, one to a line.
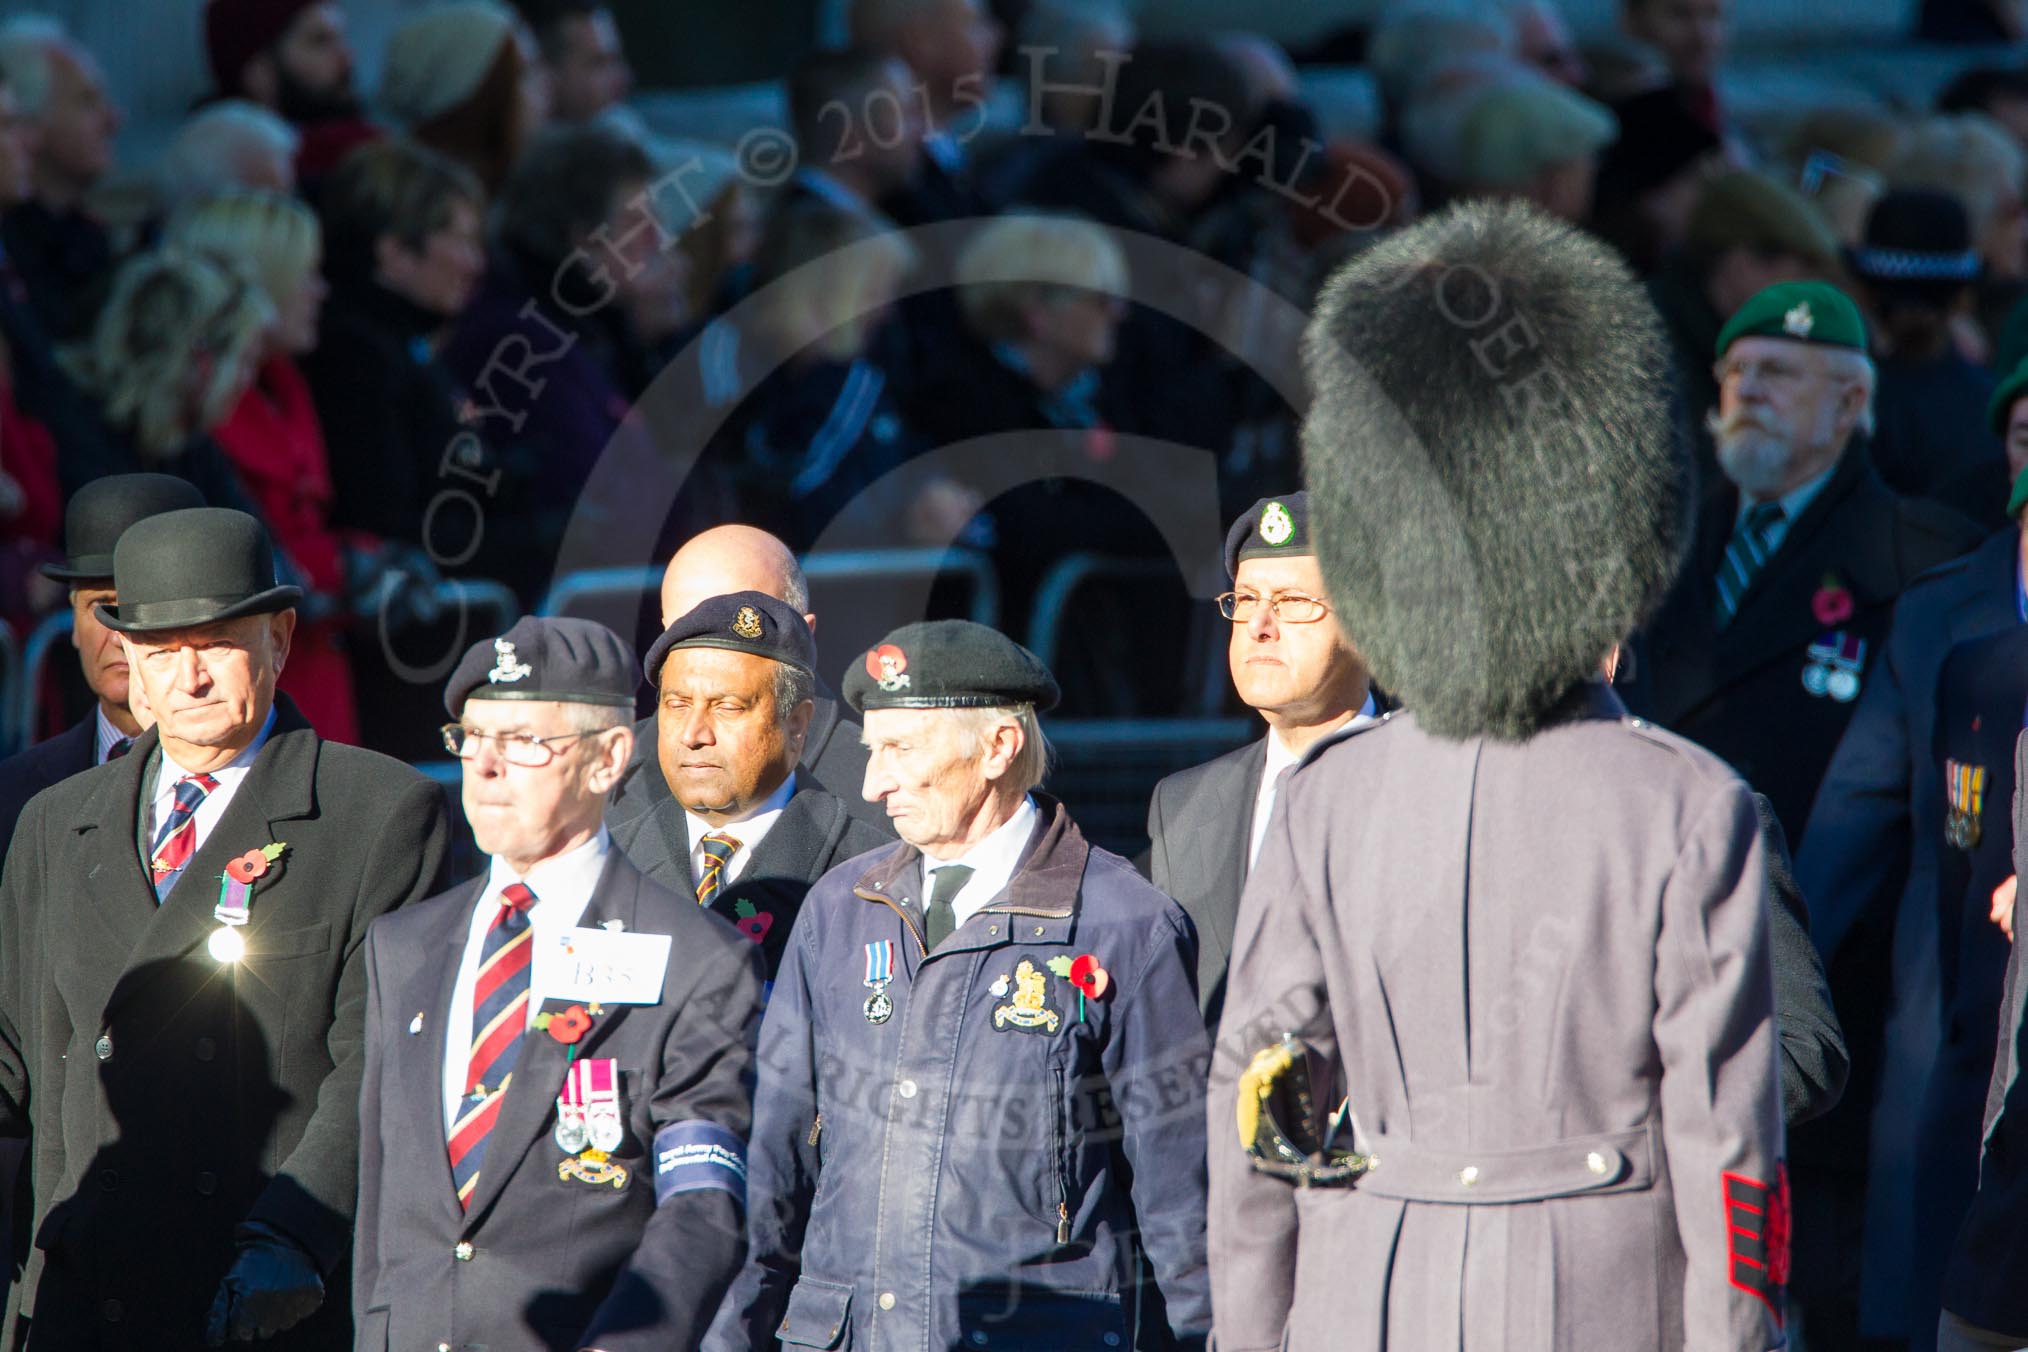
273	1285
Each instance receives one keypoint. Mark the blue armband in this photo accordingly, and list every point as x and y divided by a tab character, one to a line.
698	1154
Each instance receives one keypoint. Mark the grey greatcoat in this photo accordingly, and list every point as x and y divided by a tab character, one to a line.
1540	970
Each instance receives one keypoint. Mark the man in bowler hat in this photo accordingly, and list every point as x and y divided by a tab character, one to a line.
92	524
181	979
551	1161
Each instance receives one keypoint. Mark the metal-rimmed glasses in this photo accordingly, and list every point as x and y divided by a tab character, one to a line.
516	748
1288	607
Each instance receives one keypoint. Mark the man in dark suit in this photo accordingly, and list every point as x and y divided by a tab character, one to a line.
1205	824
1774	631
1868	863
1981	697
1985	1289
92	523
718	562
180	986
740	828
1775	625
551	1157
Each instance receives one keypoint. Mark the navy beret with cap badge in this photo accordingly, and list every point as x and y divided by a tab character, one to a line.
1276	527
570	661
742	622
948	664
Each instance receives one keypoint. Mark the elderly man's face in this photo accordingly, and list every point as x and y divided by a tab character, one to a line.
723	744
211	685
527	813
931	777
1783	416
99	650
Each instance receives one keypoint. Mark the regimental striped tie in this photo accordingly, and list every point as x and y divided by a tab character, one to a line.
718	851
1745	553
499	1021
177	840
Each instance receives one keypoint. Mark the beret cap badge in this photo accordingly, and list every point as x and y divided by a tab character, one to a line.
509	667
1276	526
747	623
888	666
1799	321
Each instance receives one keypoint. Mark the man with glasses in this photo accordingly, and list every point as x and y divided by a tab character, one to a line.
559	1054
1291	663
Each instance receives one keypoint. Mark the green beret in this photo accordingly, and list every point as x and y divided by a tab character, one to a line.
2018	499
948	664
1805	312
2000	408
1272	528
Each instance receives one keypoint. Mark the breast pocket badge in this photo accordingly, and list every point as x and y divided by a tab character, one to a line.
1029	1010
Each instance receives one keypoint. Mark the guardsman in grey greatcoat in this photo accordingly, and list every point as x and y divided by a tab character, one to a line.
1498	1063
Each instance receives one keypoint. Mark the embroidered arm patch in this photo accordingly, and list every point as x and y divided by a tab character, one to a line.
1757	1237
694	1155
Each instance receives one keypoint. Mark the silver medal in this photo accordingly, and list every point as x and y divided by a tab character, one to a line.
1843	685
607	1131
1816	679
878	1007
571	1132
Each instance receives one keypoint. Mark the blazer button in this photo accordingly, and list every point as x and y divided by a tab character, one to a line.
103	1048
204	1049
1469	1175
463	1251
109	1179
886	1300
206	1183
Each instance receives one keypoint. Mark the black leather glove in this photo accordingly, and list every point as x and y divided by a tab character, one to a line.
273	1285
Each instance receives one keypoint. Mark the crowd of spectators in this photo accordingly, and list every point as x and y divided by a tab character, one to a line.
1033	287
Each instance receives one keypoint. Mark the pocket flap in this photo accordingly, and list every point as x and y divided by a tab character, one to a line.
1040	1319
816	1316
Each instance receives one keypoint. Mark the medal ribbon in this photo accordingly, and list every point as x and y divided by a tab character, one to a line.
879	963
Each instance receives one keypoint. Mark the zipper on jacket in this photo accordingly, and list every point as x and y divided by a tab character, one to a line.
816	1130
921	946
1057	1136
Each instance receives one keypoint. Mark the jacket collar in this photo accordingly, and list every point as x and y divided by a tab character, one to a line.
1045	883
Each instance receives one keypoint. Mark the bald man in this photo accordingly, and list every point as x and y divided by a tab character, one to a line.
718	562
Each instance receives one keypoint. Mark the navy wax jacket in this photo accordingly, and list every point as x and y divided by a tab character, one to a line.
981	1166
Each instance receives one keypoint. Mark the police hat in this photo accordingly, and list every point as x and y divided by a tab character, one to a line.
1271	528
741	622
571	661
948	664
191	567
100	512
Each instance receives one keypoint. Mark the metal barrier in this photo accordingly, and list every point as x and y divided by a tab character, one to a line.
51	635
850	565
478	593
12	738
1065	576
1106	769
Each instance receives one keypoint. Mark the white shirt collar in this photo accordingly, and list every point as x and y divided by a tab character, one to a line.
227	775
109	735
992	861
1280	756
1794	502
562	884
748	830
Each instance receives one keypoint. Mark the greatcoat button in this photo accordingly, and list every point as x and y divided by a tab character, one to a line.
443	1347
887	1300
1469	1175
463	1251
206	1183
906	1088
103	1048
1596	1163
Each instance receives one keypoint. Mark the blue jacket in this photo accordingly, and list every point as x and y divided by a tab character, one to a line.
982	1167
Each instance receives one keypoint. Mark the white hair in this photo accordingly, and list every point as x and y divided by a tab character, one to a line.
209	152
26	42
1031	764
1856	367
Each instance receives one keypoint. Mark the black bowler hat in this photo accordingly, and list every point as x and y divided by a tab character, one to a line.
197	566
570	661
742	622
100	512
948	664
1271	528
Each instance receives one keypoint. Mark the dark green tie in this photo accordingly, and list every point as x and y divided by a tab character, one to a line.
942	917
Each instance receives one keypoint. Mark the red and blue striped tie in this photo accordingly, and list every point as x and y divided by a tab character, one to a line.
177	840
499	1021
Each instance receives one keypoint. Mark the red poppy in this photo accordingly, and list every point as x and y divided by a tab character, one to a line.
1090	978
570	1025
247	867
755	927
1832	604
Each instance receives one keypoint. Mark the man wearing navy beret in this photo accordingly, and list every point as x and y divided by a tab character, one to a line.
981	1098
559	1053
744	828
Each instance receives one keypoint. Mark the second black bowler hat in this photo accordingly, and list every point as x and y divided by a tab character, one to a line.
100	512
193	567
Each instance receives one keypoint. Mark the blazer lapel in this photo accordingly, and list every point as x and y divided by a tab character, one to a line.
278	787
428	992
1223	841
1988	600
538	1072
